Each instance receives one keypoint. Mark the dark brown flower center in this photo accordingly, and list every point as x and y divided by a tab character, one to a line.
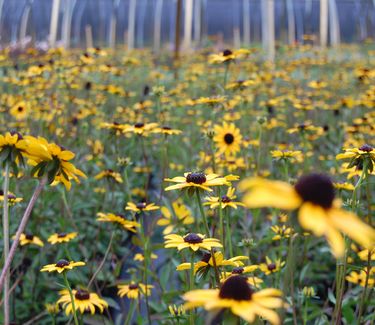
141	205
225	199
193	239
196	178
317	189
167	128
133	286
206	257
62	263
61	235
29	236
366	148
228	138
227	52
238	270
237	288
271	267
82	295
139	125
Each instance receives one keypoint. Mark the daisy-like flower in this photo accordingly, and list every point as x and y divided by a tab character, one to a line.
196	180
236	295
27	239
192	241
287	155
51	159
84	301
61	237
281	232
61	266
318	211
176	310
142	129
227	138
166	130
12	148
207	261
227	200
140	257
20	110
134	290
225	56
360	277
141	206
110	175
118	219
359	157
271	266
182	213
12	199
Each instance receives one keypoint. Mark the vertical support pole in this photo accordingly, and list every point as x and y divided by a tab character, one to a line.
291	22
246	22
177	29
323	29
157	25
131	24
197	21
188	24
54	22
270	7
89	39
334	23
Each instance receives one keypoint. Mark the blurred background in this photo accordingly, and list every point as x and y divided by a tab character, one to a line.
152	23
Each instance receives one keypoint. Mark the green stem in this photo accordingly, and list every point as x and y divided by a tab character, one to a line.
259	150
130	312
203	215
74	311
191	284
6	243
228	233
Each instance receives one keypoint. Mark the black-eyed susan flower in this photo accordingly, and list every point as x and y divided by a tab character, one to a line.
142	129
227	139
61	237
318	211
118	219
51	159
227	200
141	207
287	155
182	213
207	261
52	309
61	266
20	110
167	130
140	257
192	241
281	232
84	301
361	276
196	180
12	199
309	292
239	270
236	295
12	149
359	157
27	239
110	174
176	310
134	290
271	266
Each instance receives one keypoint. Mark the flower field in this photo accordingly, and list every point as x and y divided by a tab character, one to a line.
217	189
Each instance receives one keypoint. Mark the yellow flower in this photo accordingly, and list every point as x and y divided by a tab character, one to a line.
134	290
142	129
109	174
227	138
207	261
12	148
287	155
176	310
139	257
196	181
167	130
141	206
61	266
84	301
360	277
52	309
26	239
12	199
308	291
182	213
119	219
226	200
360	156
53	159
20	110
191	240
270	266
281	232
318	211
61	237
317	84
236	295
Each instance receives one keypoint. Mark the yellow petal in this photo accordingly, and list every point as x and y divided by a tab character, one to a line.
265	193
336	241
313	217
